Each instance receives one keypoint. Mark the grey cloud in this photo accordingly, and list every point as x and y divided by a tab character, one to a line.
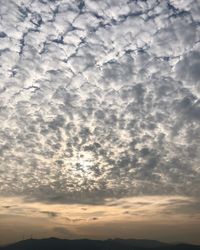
99	100
183	207
188	68
2	34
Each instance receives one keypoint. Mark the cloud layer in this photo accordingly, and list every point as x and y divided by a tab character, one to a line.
166	218
99	99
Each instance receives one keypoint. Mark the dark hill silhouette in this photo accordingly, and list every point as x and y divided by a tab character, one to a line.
85	244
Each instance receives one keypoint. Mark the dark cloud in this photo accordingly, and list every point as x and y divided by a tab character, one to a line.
50	214
95	218
7	207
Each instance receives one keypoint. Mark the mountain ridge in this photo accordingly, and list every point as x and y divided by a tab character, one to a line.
88	244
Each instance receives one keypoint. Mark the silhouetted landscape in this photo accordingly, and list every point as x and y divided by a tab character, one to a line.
86	244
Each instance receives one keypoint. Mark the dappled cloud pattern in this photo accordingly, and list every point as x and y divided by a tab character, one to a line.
99	100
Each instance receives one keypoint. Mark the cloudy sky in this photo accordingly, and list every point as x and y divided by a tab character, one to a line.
100	119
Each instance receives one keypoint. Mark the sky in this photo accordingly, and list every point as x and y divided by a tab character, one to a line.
100	119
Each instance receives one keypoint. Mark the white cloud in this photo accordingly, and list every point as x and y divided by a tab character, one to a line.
99	99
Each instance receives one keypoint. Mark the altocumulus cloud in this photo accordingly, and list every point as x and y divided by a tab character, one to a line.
99	99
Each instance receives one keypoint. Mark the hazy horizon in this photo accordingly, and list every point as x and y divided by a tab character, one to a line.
100	119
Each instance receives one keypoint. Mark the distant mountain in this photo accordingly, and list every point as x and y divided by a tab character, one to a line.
142	243
85	244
